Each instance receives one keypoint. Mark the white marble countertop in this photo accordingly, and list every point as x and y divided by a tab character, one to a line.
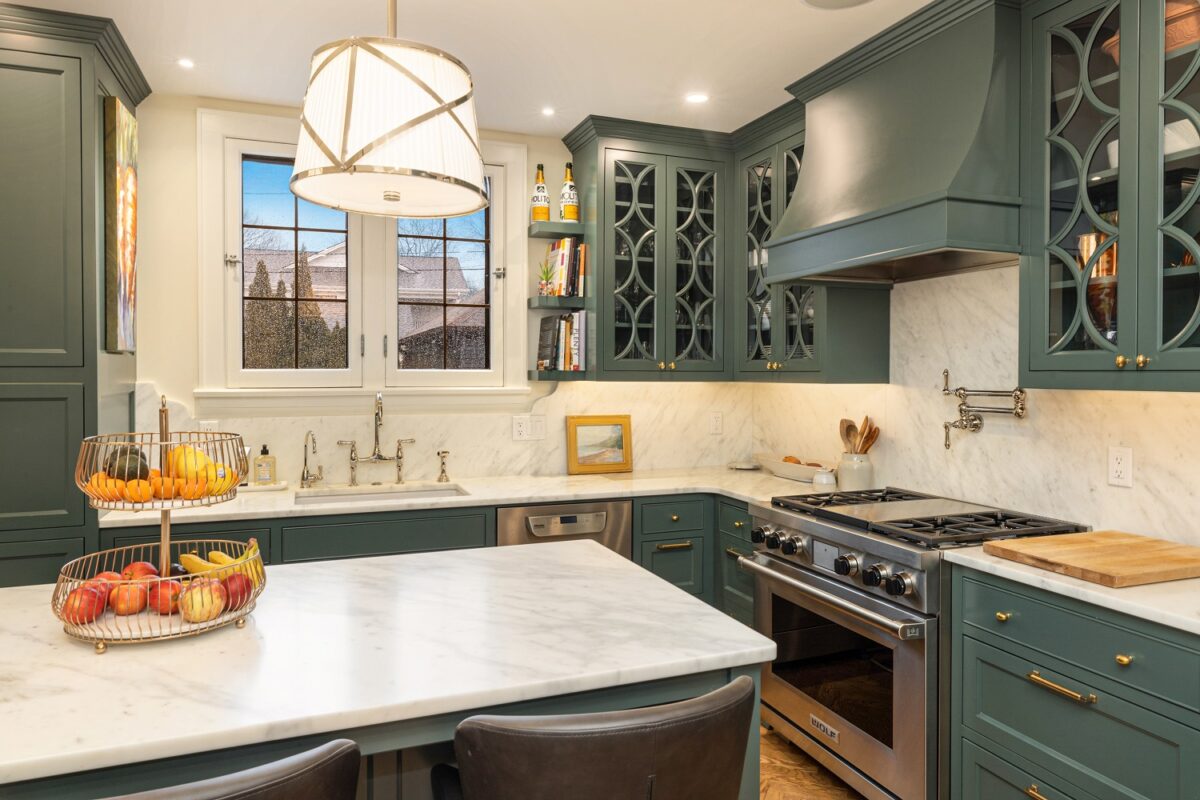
341	644
1175	604
746	485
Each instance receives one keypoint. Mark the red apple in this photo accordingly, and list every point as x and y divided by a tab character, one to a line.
238	589
84	604
164	596
139	569
203	600
129	598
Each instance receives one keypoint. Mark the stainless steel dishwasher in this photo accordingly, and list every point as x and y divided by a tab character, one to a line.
609	523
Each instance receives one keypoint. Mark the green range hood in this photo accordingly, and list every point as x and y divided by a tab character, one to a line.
911	163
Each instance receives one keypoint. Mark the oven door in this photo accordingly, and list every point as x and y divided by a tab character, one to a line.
853	673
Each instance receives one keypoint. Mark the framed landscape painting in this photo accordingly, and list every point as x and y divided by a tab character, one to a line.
599	444
120	227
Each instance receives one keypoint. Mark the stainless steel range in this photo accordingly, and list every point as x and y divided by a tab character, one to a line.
850	587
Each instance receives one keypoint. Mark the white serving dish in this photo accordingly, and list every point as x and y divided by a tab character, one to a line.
774	464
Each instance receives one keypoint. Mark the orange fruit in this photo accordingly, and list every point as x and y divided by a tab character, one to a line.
166	488
138	491
95	484
154	473
114	490
192	490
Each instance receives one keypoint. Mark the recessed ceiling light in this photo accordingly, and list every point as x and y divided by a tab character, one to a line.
186	63
696	97
547	112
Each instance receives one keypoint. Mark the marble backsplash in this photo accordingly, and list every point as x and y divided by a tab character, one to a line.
1054	462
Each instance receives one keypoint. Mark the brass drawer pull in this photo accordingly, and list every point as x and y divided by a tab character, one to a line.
676	545
1124	660
739	524
734	553
1003	616
1121	361
1036	678
1141	361
1033	792
674	518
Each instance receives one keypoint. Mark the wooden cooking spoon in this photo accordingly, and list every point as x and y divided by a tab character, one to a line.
849	432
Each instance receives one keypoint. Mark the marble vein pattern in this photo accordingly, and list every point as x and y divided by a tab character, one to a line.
341	644
748	486
1175	604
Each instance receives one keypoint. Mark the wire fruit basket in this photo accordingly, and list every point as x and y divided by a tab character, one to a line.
162	590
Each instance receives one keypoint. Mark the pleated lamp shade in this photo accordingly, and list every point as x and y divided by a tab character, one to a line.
388	128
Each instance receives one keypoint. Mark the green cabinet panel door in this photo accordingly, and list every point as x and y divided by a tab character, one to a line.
417	531
989	777
734	519
41	425
124	537
735	589
41	217
31	562
1091	738
693	319
681	562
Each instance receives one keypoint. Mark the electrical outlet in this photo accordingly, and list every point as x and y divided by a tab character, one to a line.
537	427
1120	466
715	424
209	425
521	427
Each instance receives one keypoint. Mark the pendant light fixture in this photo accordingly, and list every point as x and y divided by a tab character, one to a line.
388	128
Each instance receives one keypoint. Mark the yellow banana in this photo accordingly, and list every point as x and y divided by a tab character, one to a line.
240	564
194	564
222	558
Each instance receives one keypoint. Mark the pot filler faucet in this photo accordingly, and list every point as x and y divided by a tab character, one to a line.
377	455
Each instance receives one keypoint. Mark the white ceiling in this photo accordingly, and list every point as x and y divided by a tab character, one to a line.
623	58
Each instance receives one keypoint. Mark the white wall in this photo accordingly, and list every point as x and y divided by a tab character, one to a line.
1054	462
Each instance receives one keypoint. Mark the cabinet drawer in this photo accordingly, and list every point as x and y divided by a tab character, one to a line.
677	561
1158	667
734	520
263	535
989	777
25	563
383	537
673	516
1107	746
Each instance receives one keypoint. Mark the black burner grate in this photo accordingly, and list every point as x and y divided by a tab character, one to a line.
810	503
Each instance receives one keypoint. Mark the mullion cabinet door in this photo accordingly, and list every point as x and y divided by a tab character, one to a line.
634	222
1168	249
1084	199
798	305
753	298
692	314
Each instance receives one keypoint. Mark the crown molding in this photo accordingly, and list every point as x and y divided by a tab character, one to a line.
595	127
758	133
99	32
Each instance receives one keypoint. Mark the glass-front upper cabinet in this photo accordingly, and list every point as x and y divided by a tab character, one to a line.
662	223
1084	97
1168	253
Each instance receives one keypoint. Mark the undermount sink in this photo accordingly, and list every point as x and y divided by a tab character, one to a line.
376	492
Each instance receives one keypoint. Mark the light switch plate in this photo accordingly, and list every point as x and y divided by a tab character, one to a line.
1120	466
537	427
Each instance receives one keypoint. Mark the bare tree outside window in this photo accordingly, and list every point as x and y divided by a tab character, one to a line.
443	303
294	275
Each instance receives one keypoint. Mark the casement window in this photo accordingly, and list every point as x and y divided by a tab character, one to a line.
306	298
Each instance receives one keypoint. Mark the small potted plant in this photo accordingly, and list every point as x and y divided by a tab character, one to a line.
545	279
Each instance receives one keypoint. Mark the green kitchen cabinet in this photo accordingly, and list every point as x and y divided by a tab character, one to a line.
36	561
410	532
735	589
674	537
239	532
989	777
1047	690
1110	287
40	427
683	562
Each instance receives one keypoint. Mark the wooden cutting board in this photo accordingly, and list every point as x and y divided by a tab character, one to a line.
1109	558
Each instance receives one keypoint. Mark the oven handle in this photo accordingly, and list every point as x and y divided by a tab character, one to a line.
899	629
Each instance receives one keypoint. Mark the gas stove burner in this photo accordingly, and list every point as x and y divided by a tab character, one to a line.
959	529
810	502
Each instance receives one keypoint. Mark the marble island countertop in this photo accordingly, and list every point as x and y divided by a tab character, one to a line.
745	485
1175	604
344	644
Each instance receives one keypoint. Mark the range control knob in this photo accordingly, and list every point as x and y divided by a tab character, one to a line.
845	565
875	575
792	545
758	535
900	584
774	540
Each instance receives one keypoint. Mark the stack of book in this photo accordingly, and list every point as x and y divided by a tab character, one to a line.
562	343
568	260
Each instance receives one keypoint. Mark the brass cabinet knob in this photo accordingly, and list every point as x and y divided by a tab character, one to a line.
671	365
1124	660
739	524
1121	362
1141	361
1003	616
662	365
674	518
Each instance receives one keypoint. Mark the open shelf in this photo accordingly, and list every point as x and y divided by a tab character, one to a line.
557	303
557	375
555	230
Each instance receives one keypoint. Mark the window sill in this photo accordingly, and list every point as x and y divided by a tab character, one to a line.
236	403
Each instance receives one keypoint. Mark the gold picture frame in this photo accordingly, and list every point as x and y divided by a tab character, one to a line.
599	443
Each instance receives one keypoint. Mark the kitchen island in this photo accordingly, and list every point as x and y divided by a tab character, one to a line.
392	652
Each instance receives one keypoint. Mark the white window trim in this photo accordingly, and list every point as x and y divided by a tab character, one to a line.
217	396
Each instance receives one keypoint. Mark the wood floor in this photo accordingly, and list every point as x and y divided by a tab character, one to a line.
788	773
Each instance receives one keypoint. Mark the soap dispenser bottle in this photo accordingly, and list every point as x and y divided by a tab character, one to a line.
264	467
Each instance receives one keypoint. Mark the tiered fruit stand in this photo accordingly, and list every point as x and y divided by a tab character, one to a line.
168	589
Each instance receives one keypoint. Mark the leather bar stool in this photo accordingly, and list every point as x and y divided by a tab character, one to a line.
690	750
328	772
